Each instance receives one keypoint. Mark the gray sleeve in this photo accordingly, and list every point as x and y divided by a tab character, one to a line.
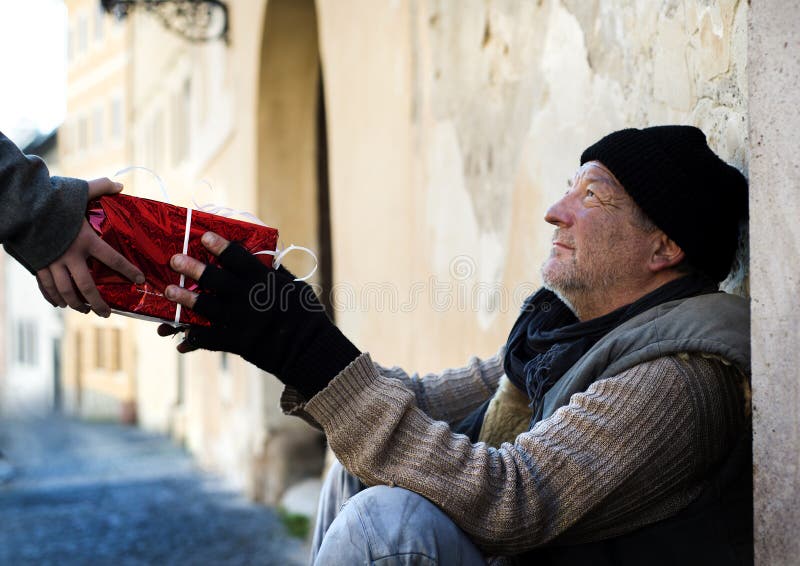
40	215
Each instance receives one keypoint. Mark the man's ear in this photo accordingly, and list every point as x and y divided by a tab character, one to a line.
666	253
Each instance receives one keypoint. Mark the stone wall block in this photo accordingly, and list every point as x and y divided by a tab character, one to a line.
774	73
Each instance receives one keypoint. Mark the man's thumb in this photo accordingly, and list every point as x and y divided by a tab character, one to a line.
103	186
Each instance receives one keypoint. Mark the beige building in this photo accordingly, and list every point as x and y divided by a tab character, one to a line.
415	145
99	379
139	95
31	330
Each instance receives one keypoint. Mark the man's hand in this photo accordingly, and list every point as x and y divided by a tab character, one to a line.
67	281
262	314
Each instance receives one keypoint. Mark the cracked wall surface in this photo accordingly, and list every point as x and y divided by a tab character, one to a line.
454	123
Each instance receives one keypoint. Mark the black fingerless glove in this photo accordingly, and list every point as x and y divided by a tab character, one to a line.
271	321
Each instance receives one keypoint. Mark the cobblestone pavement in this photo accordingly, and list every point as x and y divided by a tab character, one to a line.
107	494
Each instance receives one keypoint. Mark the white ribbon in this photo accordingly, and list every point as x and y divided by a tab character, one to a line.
227	212
159	180
185	249
164	192
279	254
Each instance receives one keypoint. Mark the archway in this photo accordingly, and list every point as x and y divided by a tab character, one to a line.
292	149
292	180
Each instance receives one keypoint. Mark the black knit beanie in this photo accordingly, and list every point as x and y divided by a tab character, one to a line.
697	199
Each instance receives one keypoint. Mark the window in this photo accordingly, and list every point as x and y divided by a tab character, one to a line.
116	349
26	337
186	100
157	141
70	44
180	123
99	348
99	20
65	138
225	381
97	126
83	133
79	365
116	118
83	35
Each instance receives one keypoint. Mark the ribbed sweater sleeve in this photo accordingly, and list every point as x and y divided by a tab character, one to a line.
448	396
40	215
626	452
454	393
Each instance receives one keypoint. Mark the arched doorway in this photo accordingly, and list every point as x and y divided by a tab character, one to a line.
292	180
292	171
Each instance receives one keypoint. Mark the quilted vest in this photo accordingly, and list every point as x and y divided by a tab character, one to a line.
717	527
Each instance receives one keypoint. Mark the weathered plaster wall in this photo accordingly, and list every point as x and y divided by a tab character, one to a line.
454	123
774	74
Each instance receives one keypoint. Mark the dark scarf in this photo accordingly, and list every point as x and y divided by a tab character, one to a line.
547	339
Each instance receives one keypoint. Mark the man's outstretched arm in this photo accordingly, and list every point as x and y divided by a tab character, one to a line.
453	393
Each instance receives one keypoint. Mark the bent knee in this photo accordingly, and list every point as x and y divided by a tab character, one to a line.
393	525
394	513
393	498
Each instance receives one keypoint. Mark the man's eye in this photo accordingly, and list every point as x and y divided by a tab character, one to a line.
589	193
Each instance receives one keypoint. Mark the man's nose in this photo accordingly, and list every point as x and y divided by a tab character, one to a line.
558	214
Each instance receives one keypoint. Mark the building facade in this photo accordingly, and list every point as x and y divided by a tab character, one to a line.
410	143
183	118
416	146
98	370
30	353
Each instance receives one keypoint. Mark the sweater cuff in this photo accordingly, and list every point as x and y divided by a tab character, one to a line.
293	404
357	386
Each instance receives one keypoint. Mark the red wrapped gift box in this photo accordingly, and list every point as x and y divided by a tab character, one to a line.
149	233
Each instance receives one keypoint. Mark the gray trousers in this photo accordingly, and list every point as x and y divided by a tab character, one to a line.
386	526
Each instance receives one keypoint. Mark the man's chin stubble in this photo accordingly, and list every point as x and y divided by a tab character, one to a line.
562	289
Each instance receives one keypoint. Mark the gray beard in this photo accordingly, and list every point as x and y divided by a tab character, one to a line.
570	287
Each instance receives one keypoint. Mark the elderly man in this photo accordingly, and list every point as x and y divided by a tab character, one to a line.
613	426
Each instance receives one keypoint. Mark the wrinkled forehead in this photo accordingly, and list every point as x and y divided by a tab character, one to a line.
595	171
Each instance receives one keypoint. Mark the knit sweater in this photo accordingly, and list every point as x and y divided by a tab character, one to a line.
632	449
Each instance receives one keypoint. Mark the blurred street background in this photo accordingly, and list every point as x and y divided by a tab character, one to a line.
101	493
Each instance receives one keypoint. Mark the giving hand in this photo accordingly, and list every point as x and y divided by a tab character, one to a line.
67	281
263	315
